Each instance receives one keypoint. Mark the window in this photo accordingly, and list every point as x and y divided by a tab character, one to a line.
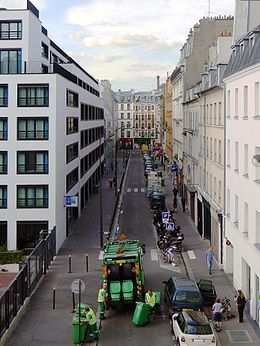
128	116
122	107
122	115
215	113
236	157
219	113
32	162
245	218
72	125
210	185
128	134
257	99
32	196
72	152
210	149
3	129
219	152
236	102
246	159
3	197
3	95
228	153
215	188
245	101
72	99
28	233
128	124
33	129
257	169
3	162
10	61
128	107
72	179
236	209
215	149
10	30
219	192
3	233
228	103
33	95
45	51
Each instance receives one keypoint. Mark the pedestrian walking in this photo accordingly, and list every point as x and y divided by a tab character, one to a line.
209	259
241	302
115	181
110	179
217	314
175	191
183	203
102	296
91	319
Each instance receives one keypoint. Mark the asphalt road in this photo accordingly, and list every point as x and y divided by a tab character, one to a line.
136	222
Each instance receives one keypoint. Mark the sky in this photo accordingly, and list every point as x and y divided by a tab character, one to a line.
128	42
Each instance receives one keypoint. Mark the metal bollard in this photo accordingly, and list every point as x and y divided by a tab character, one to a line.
53	298
69	264
86	262
73	302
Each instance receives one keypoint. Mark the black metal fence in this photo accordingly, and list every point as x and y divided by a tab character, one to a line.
30	272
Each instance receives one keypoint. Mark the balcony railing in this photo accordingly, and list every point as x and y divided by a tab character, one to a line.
32	135
3	203
3	169
32	202
33	101
11	35
32	169
3	135
3	101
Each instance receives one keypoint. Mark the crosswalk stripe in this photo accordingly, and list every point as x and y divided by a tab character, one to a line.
142	189
154	255
128	190
135	189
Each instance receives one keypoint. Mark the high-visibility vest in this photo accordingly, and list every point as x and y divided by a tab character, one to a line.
91	317
102	294
150	299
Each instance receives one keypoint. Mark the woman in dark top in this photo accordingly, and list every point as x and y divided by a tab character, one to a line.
241	301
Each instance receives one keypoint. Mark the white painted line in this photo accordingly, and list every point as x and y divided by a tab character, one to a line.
142	189
135	189
191	254
101	253
128	190
154	255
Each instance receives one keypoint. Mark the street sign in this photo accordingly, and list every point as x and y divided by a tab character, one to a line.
169	226
165	216
78	285
71	201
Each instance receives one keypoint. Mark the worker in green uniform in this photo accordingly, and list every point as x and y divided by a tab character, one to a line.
102	296
91	319
150	299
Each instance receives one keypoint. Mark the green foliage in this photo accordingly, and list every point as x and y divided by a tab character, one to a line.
7	257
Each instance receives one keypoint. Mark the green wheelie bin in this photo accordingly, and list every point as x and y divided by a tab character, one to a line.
141	315
79	331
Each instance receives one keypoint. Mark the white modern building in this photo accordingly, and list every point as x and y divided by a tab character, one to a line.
51	131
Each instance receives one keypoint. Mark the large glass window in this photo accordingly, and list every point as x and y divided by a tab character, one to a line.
3	233
3	162
33	96
72	179
3	129
72	99
33	129
32	162
28	233
72	125
32	196
72	152
3	197
3	95
10	61
10	30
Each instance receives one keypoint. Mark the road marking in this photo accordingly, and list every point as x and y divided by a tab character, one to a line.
128	190
191	254
142	189
135	189
101	253
154	255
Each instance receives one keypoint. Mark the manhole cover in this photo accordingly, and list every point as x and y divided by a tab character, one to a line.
239	336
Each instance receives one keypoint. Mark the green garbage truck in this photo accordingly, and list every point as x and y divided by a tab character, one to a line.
123	271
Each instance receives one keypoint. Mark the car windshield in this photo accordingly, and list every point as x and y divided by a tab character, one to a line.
198	329
188	297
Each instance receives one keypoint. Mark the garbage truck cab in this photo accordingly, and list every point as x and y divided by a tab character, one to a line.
123	271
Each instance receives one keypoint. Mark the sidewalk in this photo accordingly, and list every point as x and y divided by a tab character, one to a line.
233	333
38	323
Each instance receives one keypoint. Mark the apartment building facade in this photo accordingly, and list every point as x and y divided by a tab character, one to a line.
51	131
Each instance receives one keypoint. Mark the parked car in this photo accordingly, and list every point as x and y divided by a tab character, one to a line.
208	292
191	328
157	200
181	293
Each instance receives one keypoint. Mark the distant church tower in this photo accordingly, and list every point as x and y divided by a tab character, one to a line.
247	17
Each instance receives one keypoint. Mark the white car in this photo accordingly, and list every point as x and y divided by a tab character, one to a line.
192	328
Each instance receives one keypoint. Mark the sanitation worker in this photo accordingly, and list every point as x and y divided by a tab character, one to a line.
90	316
102	296
150	300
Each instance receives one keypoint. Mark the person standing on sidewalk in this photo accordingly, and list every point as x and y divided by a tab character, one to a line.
209	259
183	202
217	314
241	302
110	179
91	319
102	296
